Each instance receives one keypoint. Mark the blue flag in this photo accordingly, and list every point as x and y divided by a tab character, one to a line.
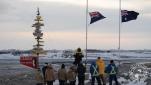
95	16
128	15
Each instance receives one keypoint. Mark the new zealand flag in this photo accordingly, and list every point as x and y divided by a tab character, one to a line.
128	15
95	16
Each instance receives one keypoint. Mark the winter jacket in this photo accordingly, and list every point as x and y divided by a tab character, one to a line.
74	68
71	75
44	70
62	74
101	66
78	55
94	69
49	74
111	69
81	70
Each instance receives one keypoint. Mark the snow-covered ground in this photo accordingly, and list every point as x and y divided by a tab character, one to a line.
12	73
128	82
93	55
11	70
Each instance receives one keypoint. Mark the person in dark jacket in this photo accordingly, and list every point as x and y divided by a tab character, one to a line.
81	73
44	70
78	56
62	75
111	69
94	70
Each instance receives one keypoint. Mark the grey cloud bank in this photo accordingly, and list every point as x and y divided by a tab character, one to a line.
16	18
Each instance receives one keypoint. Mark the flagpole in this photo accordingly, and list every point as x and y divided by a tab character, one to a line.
119	48
86	29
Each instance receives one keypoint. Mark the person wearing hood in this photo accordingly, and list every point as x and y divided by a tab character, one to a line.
94	71
111	69
78	55
71	75
49	75
62	75
101	66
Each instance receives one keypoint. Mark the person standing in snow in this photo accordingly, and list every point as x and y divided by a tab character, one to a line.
71	75
111	69
78	56
81	69
49	75
62	75
101	65
94	70
44	70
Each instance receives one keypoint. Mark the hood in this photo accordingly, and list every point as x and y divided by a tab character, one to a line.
112	64
49	66
100	61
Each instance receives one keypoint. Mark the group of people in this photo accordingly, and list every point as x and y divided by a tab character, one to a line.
98	71
65	77
70	75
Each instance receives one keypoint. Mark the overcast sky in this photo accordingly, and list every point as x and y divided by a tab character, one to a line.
65	24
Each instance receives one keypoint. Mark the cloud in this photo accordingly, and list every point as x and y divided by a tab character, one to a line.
72	40
94	3
103	4
65	24
4	6
16	40
136	4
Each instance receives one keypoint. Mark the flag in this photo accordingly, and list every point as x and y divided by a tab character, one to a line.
128	15
95	16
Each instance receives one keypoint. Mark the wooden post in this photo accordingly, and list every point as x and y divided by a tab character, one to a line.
37	50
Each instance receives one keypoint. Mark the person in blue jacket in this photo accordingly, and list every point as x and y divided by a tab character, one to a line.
111	69
94	70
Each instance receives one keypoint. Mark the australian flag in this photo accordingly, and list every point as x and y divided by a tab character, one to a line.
95	16
128	15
